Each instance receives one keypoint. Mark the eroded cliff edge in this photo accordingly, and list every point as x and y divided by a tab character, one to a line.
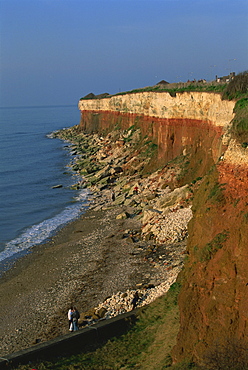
193	129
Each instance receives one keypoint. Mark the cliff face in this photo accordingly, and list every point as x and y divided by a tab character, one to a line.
189	125
213	300
190	105
193	127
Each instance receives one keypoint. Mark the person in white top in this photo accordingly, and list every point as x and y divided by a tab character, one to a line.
70	318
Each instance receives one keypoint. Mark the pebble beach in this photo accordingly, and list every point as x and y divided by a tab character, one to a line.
134	242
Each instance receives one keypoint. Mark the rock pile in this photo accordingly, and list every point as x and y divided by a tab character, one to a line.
168	226
121	302
110	168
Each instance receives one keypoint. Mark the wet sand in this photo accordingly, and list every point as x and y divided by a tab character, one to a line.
84	263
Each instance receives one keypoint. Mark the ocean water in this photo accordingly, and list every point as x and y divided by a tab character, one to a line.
31	163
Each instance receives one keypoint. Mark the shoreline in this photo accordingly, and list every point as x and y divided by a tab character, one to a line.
84	263
12	262
9	261
87	261
136	240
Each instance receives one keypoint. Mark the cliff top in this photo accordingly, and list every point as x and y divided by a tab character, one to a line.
163	86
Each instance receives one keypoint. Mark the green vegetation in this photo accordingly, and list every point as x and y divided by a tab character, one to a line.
238	89
181	160
130	131
146	346
207	252
240	122
236	202
213	189
188	167
197	179
216	193
172	89
149	148
235	89
246	217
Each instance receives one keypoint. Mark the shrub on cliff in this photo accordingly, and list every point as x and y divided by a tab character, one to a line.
237	87
240	121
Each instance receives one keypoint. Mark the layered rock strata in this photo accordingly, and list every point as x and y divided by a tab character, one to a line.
189	125
187	105
195	127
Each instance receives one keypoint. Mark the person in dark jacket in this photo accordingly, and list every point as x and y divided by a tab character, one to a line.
113	195
74	317
135	300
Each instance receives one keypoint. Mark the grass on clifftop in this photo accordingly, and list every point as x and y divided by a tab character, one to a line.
237	89
172	89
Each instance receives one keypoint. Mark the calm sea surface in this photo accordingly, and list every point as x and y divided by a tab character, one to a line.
31	163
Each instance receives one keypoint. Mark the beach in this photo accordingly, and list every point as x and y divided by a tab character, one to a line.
135	241
87	261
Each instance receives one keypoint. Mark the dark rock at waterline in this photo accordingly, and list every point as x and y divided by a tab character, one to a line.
57	186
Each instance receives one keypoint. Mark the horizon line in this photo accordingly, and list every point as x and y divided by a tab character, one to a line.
39	106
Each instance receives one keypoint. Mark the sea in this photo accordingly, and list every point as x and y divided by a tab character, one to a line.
32	164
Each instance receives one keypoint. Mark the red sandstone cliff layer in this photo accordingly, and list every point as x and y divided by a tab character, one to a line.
173	136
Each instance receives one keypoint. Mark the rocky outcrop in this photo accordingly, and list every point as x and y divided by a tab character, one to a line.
190	131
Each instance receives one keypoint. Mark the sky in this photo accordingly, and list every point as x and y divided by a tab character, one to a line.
53	52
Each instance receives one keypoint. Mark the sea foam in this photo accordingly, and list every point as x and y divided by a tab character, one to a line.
41	232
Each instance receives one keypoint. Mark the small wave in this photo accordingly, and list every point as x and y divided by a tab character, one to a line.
39	233
54	134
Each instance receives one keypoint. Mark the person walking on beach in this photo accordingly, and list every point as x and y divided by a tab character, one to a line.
113	195
135	190
69	318
135	300
74	317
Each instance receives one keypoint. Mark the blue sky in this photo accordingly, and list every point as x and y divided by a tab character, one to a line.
53	52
